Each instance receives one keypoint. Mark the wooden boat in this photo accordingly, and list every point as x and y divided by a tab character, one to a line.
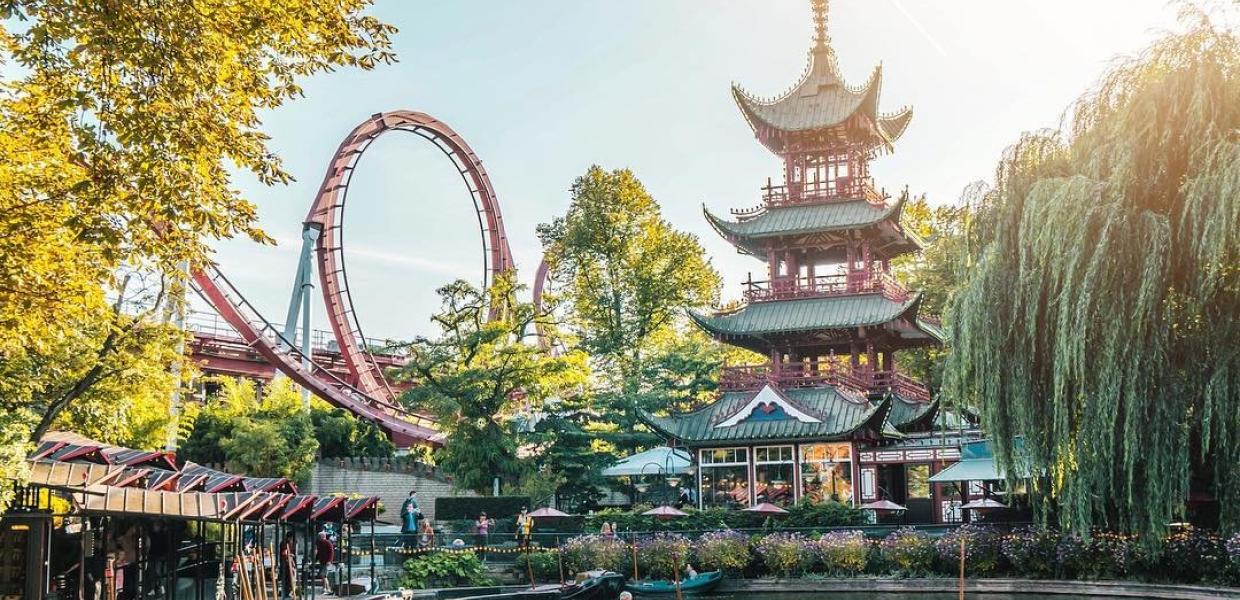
604	585
700	584
596	585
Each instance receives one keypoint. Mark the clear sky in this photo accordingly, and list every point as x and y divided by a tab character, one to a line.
542	89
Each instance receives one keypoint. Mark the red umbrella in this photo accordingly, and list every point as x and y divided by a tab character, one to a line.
984	503
883	505
665	512
548	512
765	508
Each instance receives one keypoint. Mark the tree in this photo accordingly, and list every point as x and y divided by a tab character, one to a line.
478	373
120	123
1100	317
340	434
626	278
271	436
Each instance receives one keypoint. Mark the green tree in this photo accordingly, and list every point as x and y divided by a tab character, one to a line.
340	434
479	373
626	278
120	123
1102	310
271	436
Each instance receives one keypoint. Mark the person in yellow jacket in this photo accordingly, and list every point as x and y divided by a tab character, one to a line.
525	528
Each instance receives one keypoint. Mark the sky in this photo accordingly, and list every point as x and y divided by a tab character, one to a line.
543	89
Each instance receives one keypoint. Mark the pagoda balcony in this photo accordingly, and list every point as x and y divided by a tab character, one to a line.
792	288
843	188
817	373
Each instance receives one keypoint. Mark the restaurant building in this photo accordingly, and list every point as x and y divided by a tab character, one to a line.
828	415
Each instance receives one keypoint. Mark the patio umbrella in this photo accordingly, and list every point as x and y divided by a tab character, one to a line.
548	512
984	503
665	512
765	508
883	505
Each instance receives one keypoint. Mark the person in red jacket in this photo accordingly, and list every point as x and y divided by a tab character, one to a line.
324	554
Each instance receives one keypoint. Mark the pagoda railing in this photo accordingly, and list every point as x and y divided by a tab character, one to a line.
843	188
791	288
818	373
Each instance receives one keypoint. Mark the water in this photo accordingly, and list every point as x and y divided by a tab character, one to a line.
890	596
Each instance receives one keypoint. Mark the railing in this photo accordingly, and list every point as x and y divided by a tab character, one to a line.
321	341
790	287
817	373
843	188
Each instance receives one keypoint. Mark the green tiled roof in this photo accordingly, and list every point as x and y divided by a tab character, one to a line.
806	218
840	417
905	412
808	314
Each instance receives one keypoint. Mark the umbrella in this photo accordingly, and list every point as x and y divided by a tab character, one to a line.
548	512
883	505
984	503
665	512
765	508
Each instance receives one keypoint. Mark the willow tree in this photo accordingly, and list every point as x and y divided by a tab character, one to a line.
1101	317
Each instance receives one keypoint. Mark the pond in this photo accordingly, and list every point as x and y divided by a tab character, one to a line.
892	596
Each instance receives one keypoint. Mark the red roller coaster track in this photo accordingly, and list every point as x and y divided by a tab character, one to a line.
371	398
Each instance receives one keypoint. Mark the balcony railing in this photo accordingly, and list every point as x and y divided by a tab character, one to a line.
843	188
791	288
818	373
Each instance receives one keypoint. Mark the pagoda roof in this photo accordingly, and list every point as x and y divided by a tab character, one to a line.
810	314
824	413
822	100
908	414
750	232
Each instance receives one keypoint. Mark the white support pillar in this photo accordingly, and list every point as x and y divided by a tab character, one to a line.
299	300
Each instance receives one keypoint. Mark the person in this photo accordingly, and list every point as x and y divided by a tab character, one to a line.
606	531
690	572
288	565
324	555
626	595
410	515
481	527
683	499
426	537
525	526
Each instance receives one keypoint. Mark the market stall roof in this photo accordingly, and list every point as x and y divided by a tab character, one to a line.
977	463
653	461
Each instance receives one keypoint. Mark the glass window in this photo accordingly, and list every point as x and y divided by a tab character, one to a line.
826	472
773	478
725	456
917	480
725	486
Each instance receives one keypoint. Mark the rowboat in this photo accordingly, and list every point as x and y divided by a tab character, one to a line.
699	584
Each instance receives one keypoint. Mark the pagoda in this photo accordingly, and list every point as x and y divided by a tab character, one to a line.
829	317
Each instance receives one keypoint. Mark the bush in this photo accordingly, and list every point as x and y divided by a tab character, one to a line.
722	551
444	569
842	553
588	552
1032	551
1112	556
908	551
783	553
1191	555
822	514
662	555
1233	559
545	565
982	553
469	507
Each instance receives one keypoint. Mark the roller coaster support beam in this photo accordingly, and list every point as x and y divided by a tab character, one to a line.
299	302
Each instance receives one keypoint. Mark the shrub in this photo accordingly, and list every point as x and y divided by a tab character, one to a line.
469	507
1233	558
545	565
909	551
783	553
982	552
1112	556
822	514
662	555
1191	555
1074	556
843	553
722	550
1030	550
444	569
587	552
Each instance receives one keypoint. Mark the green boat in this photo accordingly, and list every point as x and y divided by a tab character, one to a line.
699	584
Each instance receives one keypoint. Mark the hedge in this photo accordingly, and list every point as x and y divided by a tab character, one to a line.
455	508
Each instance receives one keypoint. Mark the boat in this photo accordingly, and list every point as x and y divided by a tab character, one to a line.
698	584
597	585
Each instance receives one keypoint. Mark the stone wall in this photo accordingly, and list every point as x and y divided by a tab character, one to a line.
389	479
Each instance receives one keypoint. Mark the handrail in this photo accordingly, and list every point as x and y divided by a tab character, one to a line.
793	287
842	188
815	373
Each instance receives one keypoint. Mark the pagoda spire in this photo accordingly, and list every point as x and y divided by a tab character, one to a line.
821	40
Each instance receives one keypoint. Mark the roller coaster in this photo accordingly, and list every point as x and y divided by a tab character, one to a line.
365	391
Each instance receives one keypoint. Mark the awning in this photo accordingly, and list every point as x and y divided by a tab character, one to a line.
659	460
977	463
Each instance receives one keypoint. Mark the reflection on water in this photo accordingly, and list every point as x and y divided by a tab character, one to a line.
888	596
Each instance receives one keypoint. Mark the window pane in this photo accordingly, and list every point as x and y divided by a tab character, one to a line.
727	487
917	477
774	484
826	481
